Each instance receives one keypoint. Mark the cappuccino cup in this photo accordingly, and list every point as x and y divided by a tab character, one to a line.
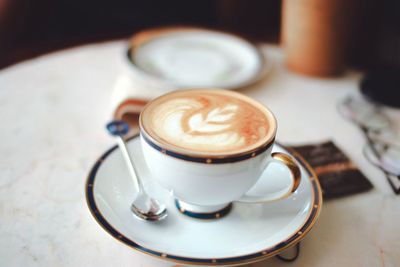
208	147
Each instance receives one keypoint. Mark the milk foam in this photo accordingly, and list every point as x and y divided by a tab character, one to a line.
206	122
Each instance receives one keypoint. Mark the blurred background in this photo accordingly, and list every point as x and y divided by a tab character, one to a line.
29	28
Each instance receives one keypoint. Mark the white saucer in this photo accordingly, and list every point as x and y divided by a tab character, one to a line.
249	233
195	57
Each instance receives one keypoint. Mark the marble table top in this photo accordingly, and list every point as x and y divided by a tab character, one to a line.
52	114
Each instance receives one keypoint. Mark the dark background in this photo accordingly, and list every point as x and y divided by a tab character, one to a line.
32	27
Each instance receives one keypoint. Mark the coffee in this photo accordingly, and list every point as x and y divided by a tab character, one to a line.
208	122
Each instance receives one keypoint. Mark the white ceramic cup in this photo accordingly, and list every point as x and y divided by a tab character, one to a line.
205	185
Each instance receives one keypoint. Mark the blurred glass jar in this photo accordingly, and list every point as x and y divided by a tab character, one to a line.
315	35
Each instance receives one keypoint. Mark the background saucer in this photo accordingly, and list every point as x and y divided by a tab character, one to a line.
249	233
193	57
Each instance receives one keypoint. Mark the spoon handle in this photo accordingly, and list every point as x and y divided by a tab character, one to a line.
119	129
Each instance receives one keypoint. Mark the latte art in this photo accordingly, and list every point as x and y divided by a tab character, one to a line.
206	121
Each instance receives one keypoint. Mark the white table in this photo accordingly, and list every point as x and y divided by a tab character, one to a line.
52	113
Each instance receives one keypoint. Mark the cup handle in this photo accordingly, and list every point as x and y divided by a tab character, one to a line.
294	169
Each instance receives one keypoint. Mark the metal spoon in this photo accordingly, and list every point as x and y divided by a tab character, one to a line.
144	207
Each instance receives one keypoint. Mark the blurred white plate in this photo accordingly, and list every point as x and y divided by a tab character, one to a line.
192	57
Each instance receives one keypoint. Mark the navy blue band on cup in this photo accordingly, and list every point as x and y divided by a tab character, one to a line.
207	160
204	216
